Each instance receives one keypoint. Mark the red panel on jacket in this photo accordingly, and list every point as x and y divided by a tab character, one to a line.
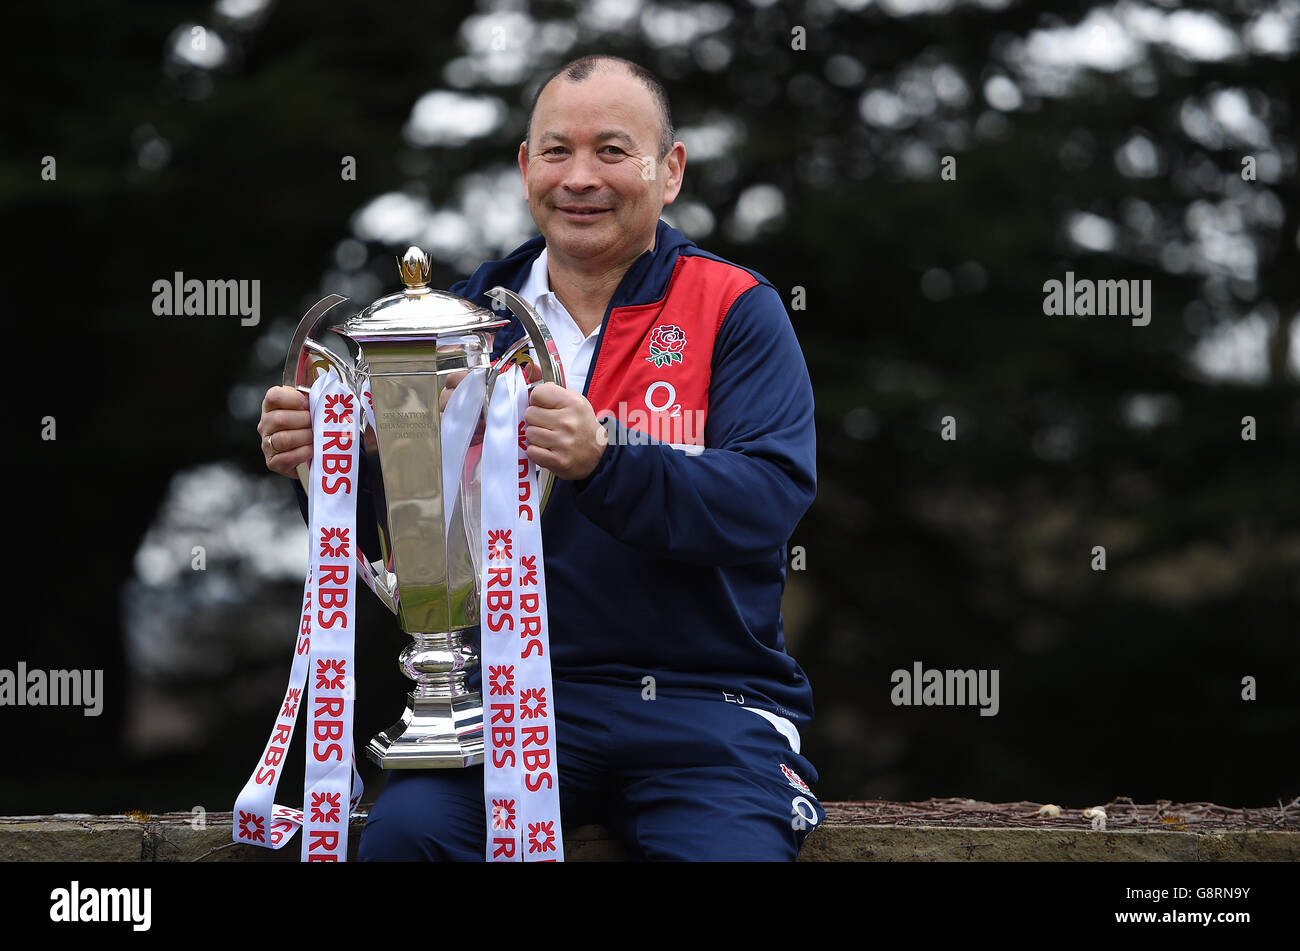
655	360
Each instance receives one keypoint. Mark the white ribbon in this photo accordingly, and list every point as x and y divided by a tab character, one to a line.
520	774
459	420
323	658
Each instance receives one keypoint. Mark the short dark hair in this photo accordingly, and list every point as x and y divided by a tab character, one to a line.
580	70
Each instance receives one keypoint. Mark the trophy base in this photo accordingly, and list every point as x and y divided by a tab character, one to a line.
434	733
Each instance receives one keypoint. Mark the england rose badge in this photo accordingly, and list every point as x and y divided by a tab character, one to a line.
666	345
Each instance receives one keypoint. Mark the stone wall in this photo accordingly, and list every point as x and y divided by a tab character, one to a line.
849	834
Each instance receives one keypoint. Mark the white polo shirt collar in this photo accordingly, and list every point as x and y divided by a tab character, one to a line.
576	349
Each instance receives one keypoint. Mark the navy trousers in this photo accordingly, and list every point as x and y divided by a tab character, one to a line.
688	775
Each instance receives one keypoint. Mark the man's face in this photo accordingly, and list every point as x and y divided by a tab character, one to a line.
591	170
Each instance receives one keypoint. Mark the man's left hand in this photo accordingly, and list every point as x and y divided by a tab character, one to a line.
563	434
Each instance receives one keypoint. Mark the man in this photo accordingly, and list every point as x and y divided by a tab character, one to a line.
677	707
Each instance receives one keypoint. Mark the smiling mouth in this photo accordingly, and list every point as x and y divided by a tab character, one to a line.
584	212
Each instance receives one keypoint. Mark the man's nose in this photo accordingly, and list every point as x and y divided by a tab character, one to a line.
583	173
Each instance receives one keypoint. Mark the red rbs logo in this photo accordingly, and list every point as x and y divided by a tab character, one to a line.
501	680
503	814
498	544
325	807
251	827
338	408
532	703
541	837
333	543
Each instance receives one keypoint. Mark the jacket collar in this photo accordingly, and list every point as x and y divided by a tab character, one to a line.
645	281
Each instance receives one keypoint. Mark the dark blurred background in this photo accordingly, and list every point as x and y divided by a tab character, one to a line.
1110	140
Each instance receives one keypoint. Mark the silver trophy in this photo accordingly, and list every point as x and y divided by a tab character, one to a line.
423	471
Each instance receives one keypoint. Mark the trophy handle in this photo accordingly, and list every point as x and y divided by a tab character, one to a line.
305	356
544	353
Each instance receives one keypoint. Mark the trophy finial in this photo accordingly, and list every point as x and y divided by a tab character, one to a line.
415	268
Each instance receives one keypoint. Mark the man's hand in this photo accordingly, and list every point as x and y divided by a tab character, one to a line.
563	434
449	383
285	428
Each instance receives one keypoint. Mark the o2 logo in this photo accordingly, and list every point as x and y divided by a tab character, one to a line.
802	820
669	400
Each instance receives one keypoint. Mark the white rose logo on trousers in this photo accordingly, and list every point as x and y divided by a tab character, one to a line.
794	779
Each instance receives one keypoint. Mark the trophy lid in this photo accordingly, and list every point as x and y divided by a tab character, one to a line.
418	311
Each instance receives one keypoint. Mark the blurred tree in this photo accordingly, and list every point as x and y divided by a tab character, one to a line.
920	168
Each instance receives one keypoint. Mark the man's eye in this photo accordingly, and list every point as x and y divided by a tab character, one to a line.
615	149
553	150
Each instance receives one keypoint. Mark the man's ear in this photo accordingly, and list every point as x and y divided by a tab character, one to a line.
523	166
675	163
